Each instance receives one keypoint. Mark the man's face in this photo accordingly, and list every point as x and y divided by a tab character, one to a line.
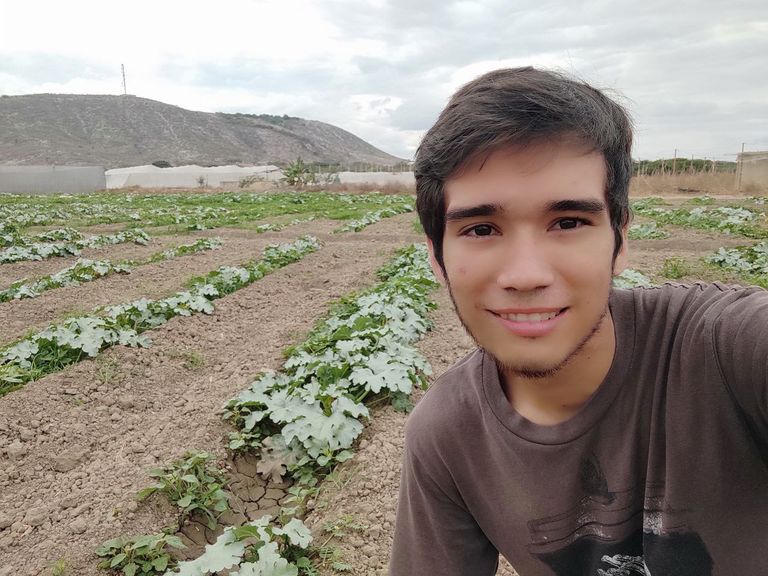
528	250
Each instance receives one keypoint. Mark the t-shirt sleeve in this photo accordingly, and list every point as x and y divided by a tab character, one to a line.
741	345
434	532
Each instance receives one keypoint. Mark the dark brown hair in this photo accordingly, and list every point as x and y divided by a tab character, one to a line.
520	107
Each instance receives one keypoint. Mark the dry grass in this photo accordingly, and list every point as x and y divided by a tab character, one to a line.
367	188
714	184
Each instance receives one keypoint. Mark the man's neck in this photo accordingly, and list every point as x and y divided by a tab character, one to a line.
552	400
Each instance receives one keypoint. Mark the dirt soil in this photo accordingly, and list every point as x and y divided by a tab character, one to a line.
76	445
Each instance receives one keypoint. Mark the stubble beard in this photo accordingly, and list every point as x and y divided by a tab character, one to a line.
530	372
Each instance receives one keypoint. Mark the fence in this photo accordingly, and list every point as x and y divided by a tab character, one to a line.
51	179
752	172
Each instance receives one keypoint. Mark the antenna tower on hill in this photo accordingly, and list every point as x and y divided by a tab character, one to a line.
125	90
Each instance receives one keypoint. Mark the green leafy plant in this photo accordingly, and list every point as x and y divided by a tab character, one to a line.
258	548
647	231
41	251
140	555
373	217
304	420
193	483
630	279
727	219
83	270
749	262
58	235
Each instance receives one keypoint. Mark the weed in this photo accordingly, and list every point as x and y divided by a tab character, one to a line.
60	568
702	200
191	359
341	526
331	557
675	268
107	370
328	555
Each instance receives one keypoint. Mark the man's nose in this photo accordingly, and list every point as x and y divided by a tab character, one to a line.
525	265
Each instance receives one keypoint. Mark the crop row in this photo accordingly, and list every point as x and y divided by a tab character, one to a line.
730	220
304	418
85	270
373	217
41	251
62	344
57	235
751	262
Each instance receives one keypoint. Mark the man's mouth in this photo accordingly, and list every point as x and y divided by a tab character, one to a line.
532	317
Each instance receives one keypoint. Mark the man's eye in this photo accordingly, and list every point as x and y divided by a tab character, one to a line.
480	230
570	223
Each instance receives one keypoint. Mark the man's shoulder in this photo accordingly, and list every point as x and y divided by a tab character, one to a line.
451	401
698	302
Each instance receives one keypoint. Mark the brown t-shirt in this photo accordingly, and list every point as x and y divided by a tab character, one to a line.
663	472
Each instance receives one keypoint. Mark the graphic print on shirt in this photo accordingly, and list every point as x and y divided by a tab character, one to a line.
630	532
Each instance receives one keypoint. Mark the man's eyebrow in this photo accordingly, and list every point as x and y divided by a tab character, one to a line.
473	212
591	206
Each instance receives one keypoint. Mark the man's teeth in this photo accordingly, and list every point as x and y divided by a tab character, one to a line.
529	317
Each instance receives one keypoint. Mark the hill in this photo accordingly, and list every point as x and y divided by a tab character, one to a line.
119	131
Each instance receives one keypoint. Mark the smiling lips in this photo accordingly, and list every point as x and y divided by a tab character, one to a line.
532	322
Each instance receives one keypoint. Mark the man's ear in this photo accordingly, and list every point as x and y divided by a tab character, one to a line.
622	258
436	268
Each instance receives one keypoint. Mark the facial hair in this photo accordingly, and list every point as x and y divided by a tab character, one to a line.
527	371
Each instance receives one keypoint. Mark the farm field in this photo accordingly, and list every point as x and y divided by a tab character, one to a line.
107	374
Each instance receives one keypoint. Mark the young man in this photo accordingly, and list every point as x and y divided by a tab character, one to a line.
594	431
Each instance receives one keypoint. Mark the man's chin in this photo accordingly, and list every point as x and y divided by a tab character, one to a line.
529	370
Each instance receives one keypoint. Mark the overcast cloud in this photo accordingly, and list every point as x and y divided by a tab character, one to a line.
693	74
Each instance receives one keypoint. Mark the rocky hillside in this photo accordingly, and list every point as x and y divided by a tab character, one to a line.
118	131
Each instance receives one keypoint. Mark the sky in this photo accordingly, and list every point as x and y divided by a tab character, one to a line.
694	75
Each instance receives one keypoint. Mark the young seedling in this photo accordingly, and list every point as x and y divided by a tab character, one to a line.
194	484
140	555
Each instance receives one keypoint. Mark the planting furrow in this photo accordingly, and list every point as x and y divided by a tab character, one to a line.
11	272
74	468
302	421
85	270
155	280
76	338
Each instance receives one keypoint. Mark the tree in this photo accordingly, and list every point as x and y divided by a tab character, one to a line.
299	174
